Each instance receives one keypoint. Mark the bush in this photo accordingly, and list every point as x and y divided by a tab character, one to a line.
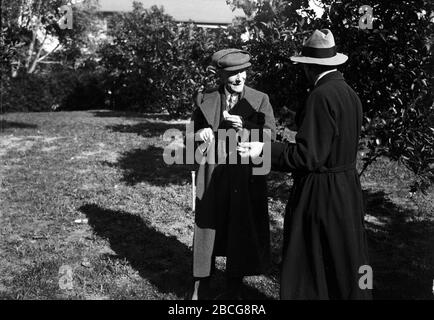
390	67
156	64
27	93
58	89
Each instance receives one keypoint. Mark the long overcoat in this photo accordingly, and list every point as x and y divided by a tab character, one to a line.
324	235
231	217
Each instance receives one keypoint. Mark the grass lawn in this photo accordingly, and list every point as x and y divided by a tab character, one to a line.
89	210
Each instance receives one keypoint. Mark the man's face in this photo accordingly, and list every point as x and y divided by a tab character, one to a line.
235	80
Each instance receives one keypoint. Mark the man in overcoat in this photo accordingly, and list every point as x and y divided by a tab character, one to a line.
231	216
324	237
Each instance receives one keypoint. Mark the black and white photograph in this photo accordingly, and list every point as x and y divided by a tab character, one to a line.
234	154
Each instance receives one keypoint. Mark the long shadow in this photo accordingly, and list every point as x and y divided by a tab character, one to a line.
4	124
401	246
148	129
132	114
147	165
159	258
401	250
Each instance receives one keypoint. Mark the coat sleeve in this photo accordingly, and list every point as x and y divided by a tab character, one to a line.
313	140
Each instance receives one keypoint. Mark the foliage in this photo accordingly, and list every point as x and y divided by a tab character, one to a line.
390	67
156	63
274	34
44	67
56	89
32	32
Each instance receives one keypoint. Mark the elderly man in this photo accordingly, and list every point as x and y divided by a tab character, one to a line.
231	217
324	237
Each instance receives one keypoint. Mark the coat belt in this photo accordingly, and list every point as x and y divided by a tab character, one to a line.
342	168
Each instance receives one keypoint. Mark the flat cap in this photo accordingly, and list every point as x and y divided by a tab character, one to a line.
231	59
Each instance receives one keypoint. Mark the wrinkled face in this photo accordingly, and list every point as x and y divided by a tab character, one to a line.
235	80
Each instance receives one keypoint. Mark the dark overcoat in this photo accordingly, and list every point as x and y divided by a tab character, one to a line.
324	235
231	217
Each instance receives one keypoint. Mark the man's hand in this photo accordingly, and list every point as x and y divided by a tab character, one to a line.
205	134
235	121
250	149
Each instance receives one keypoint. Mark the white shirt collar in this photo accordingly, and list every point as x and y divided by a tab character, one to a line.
231	96
228	93
323	74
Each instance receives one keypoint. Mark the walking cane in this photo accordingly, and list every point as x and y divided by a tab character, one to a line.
193	190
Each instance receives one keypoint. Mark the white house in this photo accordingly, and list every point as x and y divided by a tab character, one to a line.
203	12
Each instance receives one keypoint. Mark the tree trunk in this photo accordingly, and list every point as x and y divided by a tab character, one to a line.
38	57
35	28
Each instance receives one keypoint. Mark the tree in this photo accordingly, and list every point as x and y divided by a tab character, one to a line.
32	30
390	67
156	63
43	66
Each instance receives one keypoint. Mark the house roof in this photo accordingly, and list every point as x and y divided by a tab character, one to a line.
200	11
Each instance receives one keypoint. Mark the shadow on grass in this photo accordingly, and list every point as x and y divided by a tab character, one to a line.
148	129
131	114
147	165
4	124
159	258
401	250
401	246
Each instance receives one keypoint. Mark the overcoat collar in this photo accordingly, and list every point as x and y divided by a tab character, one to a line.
211	103
335	75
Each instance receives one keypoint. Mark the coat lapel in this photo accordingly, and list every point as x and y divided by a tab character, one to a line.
210	107
252	97
212	104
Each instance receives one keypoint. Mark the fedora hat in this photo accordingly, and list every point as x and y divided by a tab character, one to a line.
320	49
231	60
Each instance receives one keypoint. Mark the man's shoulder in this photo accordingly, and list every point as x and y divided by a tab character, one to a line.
328	87
255	93
208	91
205	93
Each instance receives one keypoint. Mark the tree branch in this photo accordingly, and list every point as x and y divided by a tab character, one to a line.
47	54
51	62
34	31
35	62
